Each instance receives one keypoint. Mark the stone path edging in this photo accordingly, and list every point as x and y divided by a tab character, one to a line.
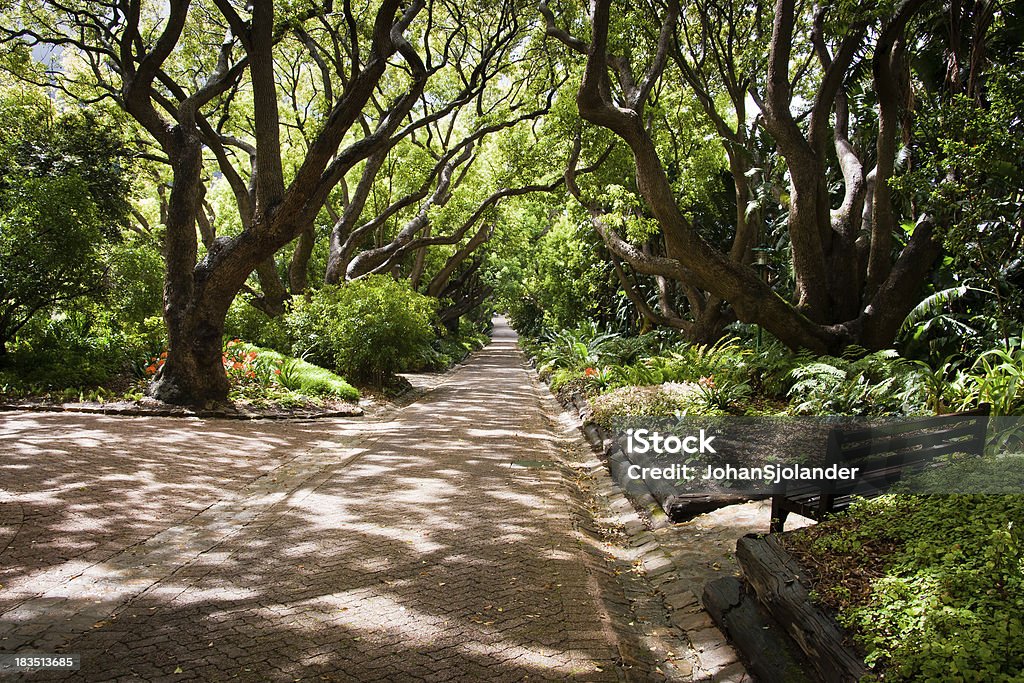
677	634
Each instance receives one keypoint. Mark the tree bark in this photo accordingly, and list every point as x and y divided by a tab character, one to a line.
828	312
197	296
298	269
273	292
193	372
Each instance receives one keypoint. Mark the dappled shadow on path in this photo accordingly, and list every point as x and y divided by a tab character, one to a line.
415	549
76	489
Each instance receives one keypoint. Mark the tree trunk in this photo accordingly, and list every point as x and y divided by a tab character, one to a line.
194	372
298	269
274	292
829	311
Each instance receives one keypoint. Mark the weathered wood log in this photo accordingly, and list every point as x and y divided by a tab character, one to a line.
766	649
776	578
683	507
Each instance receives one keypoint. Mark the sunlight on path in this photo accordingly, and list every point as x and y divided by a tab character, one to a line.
413	549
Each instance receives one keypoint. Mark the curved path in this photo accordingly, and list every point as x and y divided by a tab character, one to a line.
435	546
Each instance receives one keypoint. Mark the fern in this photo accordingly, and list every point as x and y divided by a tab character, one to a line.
934	304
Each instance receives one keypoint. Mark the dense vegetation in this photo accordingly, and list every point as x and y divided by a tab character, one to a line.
933	586
855	188
734	207
747	374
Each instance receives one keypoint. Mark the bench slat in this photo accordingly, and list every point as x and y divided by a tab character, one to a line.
923	423
967	435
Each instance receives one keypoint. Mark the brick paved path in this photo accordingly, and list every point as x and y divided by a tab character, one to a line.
417	549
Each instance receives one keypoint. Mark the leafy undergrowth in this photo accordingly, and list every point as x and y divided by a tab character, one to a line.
932	587
260	375
659	400
260	378
739	376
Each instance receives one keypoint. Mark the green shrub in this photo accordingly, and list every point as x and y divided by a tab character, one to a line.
445	352
63	195
246	322
879	383
573	349
368	329
79	349
997	378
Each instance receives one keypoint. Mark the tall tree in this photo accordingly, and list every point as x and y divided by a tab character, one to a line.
853	282
205	78
63	198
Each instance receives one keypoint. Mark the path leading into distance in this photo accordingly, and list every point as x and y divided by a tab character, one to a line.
430	547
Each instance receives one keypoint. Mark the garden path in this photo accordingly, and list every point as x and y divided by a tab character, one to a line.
434	545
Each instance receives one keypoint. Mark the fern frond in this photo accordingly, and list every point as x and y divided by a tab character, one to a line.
934	303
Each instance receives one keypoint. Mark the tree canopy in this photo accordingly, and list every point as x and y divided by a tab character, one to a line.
817	170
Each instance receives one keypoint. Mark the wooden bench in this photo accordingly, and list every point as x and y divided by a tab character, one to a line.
883	454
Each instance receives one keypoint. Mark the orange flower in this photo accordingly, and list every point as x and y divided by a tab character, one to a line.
590	372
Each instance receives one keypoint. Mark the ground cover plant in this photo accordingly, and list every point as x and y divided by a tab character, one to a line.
932	587
740	376
264	376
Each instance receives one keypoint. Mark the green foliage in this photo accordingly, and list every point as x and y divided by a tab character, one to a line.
626	214
133	282
77	351
933	305
996	378
247	322
368	329
966	172
49	248
879	383
65	352
448	350
561	282
724	395
63	195
949	605
730	376
572	349
998	472
77	296
265	368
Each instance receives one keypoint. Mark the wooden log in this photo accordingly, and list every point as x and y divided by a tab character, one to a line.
686	506
776	579
766	649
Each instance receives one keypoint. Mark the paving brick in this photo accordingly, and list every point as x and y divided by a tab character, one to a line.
339	549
